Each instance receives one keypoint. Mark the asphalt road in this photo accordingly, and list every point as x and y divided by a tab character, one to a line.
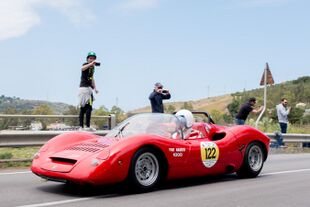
284	181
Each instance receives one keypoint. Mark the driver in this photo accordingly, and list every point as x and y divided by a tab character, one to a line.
186	119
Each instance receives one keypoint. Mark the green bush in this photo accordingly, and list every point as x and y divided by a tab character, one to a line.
6	155
268	125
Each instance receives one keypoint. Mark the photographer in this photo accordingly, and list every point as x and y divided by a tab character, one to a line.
157	96
87	85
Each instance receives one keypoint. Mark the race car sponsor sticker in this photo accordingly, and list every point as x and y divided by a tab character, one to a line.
177	152
209	153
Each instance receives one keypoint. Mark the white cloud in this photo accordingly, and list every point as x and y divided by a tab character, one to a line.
17	17
74	9
137	5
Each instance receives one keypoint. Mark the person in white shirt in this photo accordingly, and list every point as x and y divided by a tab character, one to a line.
282	111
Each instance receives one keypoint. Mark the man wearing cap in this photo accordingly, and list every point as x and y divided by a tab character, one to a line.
157	96
87	85
245	109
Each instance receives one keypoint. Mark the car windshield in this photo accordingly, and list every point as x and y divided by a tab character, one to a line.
165	125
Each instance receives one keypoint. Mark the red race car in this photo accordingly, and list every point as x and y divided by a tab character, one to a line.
146	149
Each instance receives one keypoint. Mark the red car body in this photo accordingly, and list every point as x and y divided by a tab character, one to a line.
209	149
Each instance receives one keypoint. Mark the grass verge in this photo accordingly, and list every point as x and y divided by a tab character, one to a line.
17	153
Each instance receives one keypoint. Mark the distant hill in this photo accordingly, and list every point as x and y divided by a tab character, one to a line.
23	105
207	104
296	91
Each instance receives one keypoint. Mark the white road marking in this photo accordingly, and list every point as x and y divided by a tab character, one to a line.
55	203
15	173
288	171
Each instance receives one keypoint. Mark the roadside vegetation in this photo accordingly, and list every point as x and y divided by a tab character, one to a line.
17	153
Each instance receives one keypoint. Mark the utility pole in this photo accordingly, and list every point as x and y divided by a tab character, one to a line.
116	102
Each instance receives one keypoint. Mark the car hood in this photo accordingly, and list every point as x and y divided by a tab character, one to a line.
67	158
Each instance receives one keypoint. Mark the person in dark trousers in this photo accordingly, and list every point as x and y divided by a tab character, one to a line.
87	85
282	112
157	96
245	110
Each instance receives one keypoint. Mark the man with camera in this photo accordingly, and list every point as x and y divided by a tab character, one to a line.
87	85
157	96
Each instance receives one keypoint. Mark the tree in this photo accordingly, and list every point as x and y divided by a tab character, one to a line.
170	109
295	115
119	113
43	109
233	107
102	111
72	111
188	106
306	119
228	119
9	121
217	116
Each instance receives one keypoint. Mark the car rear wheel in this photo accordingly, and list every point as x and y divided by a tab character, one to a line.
253	161
145	170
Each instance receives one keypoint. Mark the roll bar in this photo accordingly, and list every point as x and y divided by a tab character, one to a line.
210	120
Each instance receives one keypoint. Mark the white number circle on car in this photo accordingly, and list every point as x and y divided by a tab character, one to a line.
209	153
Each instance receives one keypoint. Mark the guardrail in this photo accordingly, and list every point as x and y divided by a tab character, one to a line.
32	138
111	117
290	138
37	138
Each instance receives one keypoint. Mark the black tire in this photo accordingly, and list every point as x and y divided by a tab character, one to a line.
253	161
146	169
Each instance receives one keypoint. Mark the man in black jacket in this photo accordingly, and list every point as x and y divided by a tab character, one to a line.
245	110
157	96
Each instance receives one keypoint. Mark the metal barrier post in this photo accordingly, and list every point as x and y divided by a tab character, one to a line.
112	122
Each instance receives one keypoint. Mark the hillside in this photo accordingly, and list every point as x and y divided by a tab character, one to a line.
296	91
23	105
207	104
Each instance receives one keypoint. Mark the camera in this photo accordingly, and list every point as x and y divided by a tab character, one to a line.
97	64
164	91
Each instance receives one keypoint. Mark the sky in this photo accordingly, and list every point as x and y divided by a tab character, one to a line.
196	49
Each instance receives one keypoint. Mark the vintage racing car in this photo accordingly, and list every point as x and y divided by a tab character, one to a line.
148	148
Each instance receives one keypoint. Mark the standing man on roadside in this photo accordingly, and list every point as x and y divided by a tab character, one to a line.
282	111
157	96
87	85
245	110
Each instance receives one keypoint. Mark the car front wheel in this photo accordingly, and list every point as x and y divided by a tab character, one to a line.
145	170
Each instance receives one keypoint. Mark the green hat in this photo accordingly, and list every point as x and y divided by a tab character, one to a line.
91	54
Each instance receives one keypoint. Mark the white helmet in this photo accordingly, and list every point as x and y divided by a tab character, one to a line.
188	116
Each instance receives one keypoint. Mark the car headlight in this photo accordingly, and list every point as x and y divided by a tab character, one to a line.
104	154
